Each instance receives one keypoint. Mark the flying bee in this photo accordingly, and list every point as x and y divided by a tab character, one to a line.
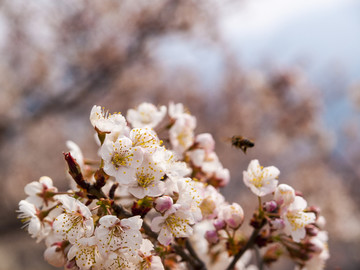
241	142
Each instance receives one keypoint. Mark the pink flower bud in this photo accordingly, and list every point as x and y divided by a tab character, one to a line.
270	206
219	224
311	230
163	204
212	237
55	256
233	215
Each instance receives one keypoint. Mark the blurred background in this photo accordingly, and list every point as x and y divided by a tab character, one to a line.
283	73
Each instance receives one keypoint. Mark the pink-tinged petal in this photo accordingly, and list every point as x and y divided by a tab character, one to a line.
157	190
268	187
298	204
137	192
34	226
108	220
134	223
67	202
47	181
33	188
254	166
72	252
298	234
125	142
125	176
271	172
165	237
138	157
89	227
157	223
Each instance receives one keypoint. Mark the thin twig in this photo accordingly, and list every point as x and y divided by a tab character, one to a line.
248	245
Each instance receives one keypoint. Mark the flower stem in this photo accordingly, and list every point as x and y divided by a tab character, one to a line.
249	244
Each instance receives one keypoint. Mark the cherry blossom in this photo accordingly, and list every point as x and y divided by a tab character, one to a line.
29	215
86	254
115	234
40	192
182	133
105	122
146	115
174	223
75	222
147	260
121	159
296	219
261	180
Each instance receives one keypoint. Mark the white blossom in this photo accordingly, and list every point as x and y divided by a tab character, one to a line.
261	181
75	222
182	133
146	115
189	197
117	261
296	219
105	122
122	235
147	260
146	138
86	253
148	179
211	202
29	215
121	159
37	192
174	223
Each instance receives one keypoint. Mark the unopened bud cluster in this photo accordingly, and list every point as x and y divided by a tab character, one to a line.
151	201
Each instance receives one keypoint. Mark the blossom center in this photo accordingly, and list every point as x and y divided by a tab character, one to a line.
176	224
145	180
121	159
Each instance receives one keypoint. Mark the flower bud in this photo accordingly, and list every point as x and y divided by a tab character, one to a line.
311	230
163	204
316	245
212	237
278	224
55	256
233	215
219	224
270	206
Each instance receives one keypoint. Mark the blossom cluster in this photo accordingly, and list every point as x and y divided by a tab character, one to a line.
152	203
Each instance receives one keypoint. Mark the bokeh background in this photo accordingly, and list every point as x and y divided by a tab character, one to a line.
284	73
